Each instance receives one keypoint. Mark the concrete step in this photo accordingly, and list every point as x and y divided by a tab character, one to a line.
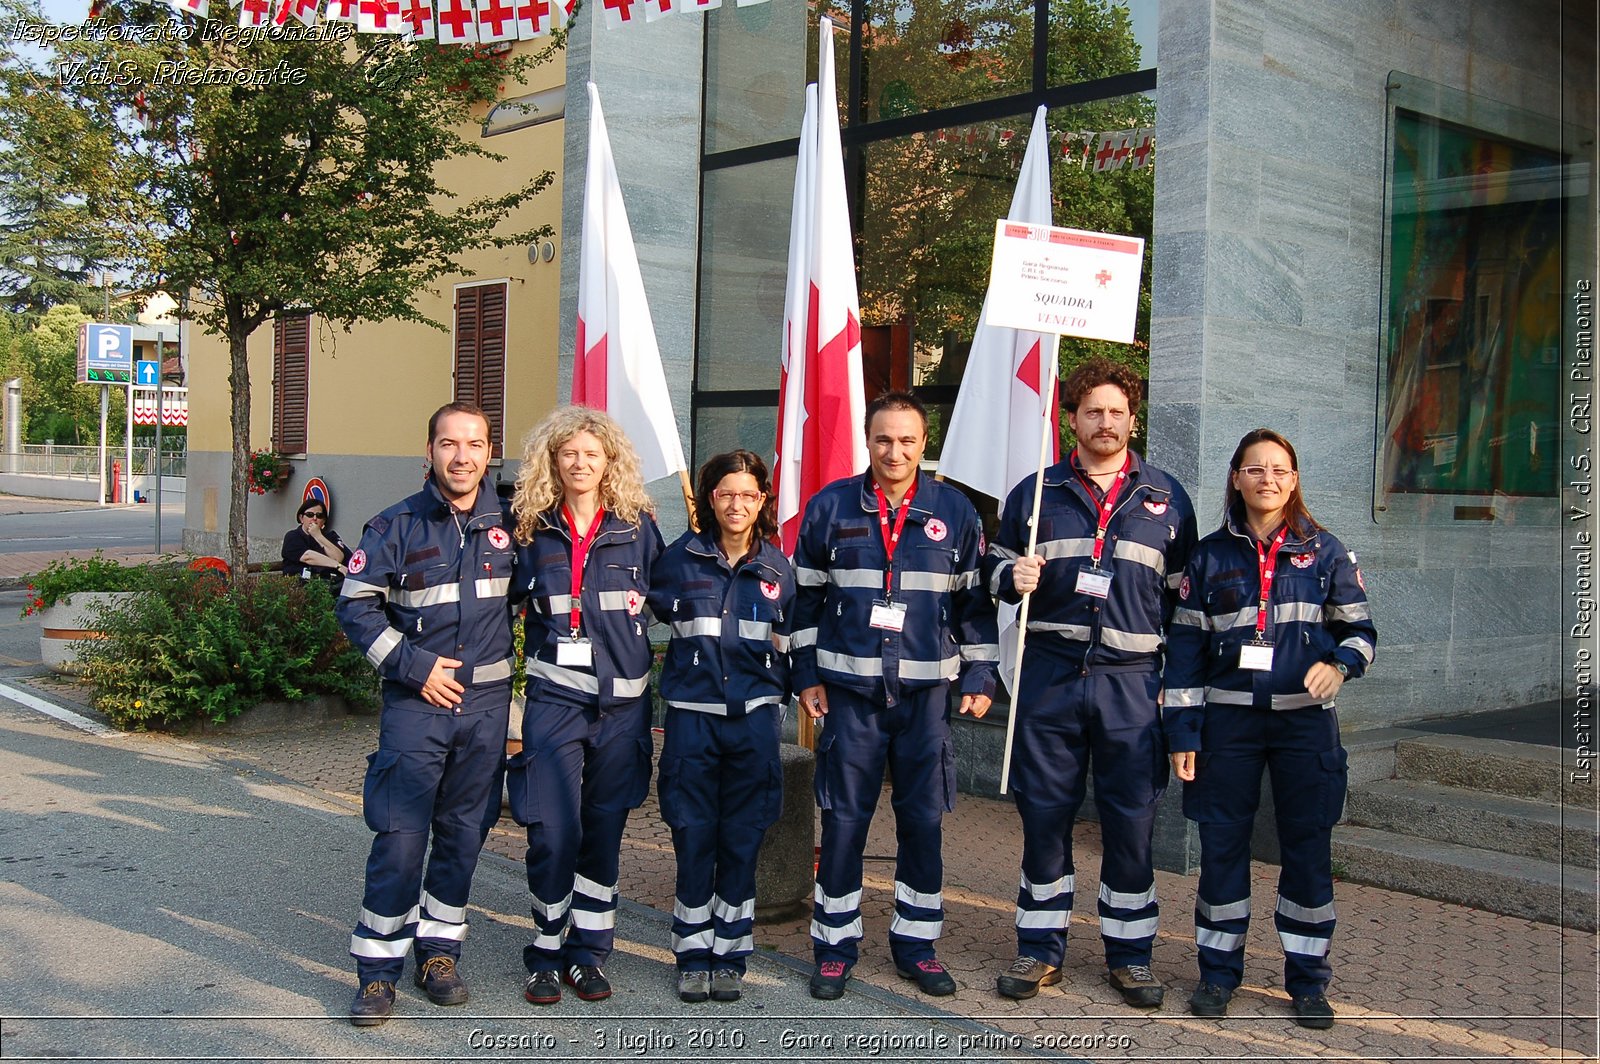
1476	818
1517	770
1482	879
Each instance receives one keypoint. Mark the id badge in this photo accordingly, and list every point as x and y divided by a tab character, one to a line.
1256	655
889	616
575	653
1094	582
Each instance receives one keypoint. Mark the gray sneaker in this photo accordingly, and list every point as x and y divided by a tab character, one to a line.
1024	978
694	987
726	985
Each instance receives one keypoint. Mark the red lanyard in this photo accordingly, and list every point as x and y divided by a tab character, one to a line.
892	539
580	555
1107	506
1267	562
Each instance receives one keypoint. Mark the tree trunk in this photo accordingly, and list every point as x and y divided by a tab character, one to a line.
238	496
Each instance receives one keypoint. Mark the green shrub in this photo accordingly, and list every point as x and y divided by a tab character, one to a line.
68	576
195	648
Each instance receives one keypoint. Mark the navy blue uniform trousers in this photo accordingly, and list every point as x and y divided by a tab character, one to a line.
1068	725
860	737
436	771
1309	777
721	787
578	775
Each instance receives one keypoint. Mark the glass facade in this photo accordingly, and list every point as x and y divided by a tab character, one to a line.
1475	230
936	99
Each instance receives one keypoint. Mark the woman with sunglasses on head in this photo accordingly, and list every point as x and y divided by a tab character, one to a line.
1272	619
728	595
312	548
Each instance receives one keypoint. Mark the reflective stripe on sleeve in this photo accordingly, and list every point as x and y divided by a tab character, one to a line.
380	649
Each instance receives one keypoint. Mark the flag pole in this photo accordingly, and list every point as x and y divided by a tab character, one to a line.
1046	429
688	500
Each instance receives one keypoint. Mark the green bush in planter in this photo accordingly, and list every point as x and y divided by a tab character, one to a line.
68	576
198	648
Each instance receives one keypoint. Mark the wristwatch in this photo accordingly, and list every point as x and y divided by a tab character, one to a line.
1344	670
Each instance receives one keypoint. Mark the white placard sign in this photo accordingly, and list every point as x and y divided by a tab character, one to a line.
1066	281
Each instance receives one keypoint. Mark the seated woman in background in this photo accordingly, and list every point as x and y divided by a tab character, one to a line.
312	548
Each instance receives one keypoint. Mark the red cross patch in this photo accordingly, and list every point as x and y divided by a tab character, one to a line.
1303	561
358	562
635	602
1155	506
935	529
770	590
498	538
1183	588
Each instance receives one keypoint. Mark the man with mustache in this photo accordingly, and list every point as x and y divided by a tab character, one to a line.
1114	535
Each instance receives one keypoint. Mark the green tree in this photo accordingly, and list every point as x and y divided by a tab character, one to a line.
306	179
50	185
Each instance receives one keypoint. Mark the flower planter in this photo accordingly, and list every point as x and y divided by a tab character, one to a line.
70	620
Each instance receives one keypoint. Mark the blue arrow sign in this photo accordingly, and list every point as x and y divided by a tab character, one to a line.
148	373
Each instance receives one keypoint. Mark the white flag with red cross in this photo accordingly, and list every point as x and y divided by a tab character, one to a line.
617	366
621	12
416	20
253	13
820	434
1144	145
536	18
655	10
992	440
456	22
497	21
303	10
378	16
340	11
198	8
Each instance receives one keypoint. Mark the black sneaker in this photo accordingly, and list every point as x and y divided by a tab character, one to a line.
1209	999
1137	986
1313	1011
931	977
694	987
726	984
588	982
373	1005
543	988
439	979
1024	978
827	982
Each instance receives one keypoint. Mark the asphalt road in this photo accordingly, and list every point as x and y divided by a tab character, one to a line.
28	525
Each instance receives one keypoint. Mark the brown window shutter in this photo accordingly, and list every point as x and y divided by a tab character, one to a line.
480	355
291	347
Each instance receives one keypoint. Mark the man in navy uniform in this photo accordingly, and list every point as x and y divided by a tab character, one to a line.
426	600
1114	535
890	610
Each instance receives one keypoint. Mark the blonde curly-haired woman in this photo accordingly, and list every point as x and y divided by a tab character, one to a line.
586	544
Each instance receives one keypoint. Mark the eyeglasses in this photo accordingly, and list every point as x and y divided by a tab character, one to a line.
749	498
1260	472
316	515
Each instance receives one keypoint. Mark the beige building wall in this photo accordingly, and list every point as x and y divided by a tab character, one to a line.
372	389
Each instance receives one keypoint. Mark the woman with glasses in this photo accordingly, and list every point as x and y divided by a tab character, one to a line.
587	543
728	595
1272	619
312	548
